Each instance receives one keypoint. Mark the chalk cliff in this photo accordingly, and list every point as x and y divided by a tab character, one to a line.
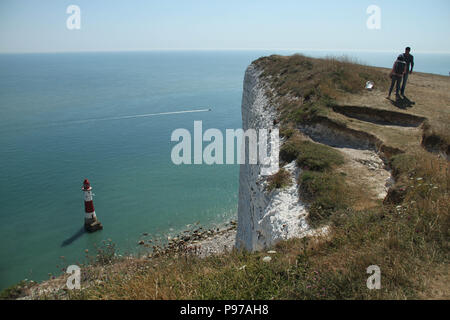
264	217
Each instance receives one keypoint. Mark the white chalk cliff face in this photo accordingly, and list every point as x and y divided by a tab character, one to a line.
265	217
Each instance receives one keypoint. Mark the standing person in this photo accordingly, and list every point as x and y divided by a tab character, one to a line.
397	72
409	59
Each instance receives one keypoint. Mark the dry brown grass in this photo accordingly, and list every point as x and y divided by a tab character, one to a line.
308	79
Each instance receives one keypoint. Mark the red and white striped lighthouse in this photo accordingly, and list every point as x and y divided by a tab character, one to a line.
91	223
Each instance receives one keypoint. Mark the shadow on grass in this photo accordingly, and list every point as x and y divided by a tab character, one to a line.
402	103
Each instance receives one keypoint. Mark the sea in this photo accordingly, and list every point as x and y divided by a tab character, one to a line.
109	117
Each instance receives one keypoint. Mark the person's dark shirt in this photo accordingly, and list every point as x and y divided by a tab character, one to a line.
409	59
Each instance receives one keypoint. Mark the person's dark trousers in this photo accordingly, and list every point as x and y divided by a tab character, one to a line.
395	80
405	79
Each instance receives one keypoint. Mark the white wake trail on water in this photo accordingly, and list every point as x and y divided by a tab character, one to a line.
140	115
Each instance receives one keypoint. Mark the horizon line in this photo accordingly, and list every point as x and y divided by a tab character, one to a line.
219	49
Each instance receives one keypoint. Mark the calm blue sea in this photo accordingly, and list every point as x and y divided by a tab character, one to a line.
46	150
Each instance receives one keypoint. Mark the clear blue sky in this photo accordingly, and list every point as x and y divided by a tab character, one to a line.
113	25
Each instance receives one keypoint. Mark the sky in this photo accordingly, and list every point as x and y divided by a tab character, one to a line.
126	25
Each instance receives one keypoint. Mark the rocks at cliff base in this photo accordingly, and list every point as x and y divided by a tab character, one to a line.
195	241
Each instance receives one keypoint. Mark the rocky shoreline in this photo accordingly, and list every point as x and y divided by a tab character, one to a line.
196	240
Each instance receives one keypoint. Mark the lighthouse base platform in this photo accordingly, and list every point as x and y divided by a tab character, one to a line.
92	225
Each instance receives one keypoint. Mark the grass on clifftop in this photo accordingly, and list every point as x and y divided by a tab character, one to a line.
305	77
306	87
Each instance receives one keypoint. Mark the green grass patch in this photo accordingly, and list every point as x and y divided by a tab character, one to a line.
286	131
279	180
325	193
290	150
320	186
310	155
318	157
402	163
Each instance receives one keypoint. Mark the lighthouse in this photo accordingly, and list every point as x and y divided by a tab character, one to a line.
91	223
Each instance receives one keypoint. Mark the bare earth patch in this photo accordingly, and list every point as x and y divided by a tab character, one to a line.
364	168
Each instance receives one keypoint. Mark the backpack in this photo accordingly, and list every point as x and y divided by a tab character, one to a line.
399	67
